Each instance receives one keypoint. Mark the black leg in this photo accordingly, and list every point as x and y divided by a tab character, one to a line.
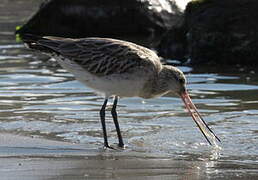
102	118
114	115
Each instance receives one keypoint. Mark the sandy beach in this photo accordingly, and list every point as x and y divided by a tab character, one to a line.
27	158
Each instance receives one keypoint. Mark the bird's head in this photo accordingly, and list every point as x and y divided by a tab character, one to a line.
174	80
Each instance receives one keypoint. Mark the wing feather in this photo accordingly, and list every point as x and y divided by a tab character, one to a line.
102	56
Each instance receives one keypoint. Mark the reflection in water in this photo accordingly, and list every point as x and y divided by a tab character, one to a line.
38	98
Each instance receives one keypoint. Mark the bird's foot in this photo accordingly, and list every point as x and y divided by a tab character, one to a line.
118	147
121	146
106	146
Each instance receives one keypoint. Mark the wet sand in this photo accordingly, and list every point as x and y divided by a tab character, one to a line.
27	158
35	158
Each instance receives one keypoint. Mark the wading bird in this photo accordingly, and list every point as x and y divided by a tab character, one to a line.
117	68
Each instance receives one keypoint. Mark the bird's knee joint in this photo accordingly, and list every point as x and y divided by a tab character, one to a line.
102	112
113	112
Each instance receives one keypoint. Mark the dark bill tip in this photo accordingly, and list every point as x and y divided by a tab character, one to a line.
196	116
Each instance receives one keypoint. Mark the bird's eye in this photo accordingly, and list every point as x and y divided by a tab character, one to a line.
182	80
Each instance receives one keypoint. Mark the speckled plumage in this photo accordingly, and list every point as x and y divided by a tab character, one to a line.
113	67
104	56
120	69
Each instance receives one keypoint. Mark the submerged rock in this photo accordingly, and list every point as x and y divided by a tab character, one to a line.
103	18
215	31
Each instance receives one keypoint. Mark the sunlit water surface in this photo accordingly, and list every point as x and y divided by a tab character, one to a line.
39	98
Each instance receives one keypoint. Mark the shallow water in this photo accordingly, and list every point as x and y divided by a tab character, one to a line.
40	99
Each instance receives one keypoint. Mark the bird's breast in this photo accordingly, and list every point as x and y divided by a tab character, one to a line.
128	84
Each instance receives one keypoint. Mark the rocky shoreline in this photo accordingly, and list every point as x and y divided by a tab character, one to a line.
206	32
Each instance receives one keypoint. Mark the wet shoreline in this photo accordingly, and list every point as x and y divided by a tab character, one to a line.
37	158
50	128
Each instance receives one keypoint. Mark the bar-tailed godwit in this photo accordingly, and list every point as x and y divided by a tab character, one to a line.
117	68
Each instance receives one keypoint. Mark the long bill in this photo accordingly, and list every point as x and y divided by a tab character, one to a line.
202	125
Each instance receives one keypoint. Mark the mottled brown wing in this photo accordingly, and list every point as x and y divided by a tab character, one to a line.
102	56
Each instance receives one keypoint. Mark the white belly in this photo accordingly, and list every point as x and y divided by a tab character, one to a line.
123	85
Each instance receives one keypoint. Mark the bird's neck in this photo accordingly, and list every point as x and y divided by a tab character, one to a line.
162	83
156	86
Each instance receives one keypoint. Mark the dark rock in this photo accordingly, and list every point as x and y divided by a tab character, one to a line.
103	18
215	31
173	44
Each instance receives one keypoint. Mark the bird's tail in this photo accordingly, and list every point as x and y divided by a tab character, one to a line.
39	43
